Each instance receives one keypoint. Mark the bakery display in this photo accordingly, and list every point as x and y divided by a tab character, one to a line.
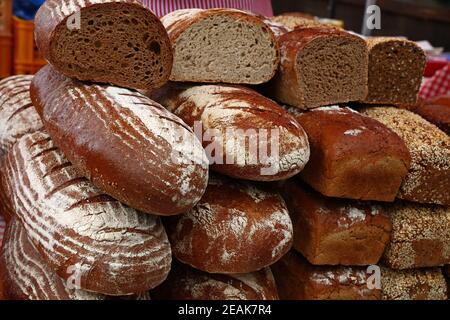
420	236
221	45
17	115
428	179
114	249
395	70
249	136
413	284
297	279
112	41
352	155
237	227
320	66
331	231
126	144
186	283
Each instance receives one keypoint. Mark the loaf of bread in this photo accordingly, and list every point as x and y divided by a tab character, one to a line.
17	115
395	70
81	232
126	144
221	45
352	155
331	231
186	283
297	279
111	41
320	66
420	236
414	284
24	274
245	135
237	227
438	113
428	179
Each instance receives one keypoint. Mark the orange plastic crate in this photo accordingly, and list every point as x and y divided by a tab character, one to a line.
27	59
5	56
5	17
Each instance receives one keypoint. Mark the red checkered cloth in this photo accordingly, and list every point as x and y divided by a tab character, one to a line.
163	7
2	229
437	85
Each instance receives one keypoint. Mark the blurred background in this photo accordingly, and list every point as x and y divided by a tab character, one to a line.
418	20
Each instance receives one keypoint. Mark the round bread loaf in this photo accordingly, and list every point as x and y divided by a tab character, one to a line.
186	283
126	144
111	41
237	227
82	234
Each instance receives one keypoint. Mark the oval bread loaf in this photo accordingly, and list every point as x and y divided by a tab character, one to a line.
245	135
25	275
112	41
124	143
82	233
186	283
237	227
221	45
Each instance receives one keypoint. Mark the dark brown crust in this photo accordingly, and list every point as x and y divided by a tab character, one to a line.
186	283
48	20
368	165
120	156
286	86
330	231
437	114
299	280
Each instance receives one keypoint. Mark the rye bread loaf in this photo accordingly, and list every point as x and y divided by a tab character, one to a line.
352	155
124	143
331	231
186	283
413	284
17	115
420	236
245	135
25	275
320	66
111	41
221	45
428	179
395	71
297	279
80	231
237	227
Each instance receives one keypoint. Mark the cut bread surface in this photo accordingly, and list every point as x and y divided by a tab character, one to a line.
119	43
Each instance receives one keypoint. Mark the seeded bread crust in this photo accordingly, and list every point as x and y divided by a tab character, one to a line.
414	284
330	231
420	236
428	179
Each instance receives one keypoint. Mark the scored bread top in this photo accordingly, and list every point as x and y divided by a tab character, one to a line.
80	231
17	114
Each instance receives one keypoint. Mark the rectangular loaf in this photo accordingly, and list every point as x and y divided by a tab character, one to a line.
420	236
331	231
428	179
352	155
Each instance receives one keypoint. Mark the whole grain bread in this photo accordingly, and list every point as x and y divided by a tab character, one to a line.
237	227
428	179
127	145
221	45
112	41
246	135
320	66
82	233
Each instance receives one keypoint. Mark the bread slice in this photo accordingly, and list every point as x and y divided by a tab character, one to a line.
118	42
221	45
320	66
395	70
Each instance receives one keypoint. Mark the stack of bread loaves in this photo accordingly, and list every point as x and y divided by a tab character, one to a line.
144	160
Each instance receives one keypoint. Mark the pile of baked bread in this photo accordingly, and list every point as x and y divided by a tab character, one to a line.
215	154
